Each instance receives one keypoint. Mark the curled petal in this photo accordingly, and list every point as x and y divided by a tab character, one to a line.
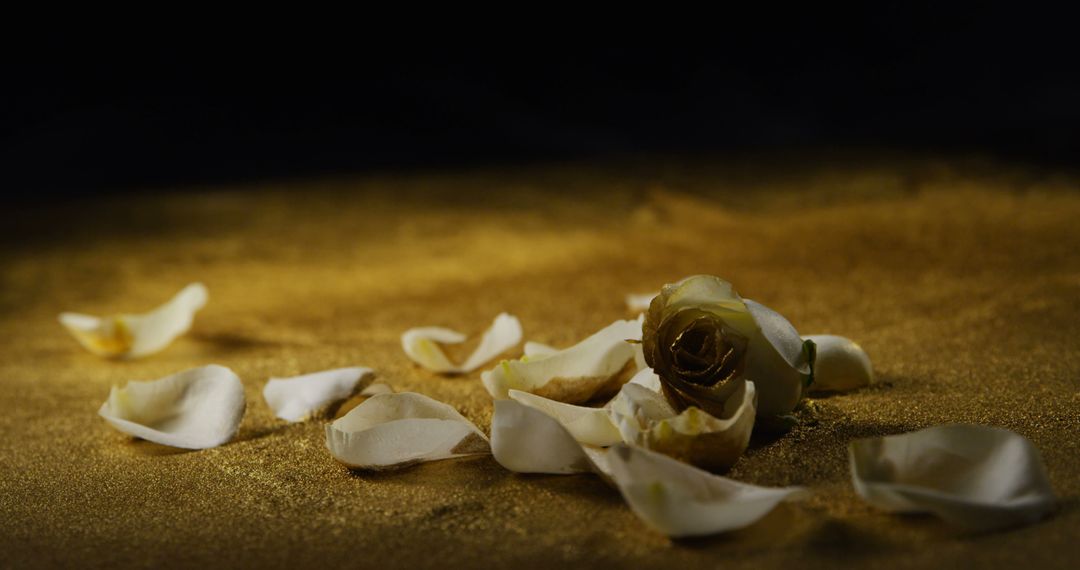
526	440
674	498
841	364
593	367
298	398
389	431
194	409
694	436
134	336
422	345
977	477
376	388
681	500
590	426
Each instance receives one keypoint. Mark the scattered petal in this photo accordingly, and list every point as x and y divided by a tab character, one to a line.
373	389
681	500
422	345
593	367
194	409
639	302
134	336
376	388
672	497
526	440
645	418
390	431
977	477
841	364
298	398
590	426
538	349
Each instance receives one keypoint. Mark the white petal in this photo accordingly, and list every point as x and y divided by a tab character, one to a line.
776	361
376	388
977	477
645	418
640	402
133	336
422	345
574	375
647	378
538	349
194	409
296	399
681	500
639	302
396	430
841	364
526	440
591	426
672	497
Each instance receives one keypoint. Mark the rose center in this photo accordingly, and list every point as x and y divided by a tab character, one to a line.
705	353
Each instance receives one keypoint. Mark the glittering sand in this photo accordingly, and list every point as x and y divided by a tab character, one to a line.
962	281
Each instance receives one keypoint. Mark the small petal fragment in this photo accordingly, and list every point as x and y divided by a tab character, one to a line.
298	398
977	477
592	367
390	431
841	364
591	426
134	336
681	500
526	440
194	409
421	345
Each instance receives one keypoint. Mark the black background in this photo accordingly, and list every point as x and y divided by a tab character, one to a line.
103	112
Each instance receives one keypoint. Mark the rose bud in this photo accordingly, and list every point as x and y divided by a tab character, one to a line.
701	338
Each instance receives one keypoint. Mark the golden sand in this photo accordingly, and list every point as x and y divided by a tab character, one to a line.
961	280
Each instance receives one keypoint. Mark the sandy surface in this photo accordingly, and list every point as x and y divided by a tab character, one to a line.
962	281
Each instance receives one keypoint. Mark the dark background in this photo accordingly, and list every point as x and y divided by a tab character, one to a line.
104	112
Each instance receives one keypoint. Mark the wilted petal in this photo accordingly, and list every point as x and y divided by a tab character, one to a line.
711	442
422	345
297	398
594	366
389	431
681	500
637	303
591	426
841	364
526	440
977	477
194	409
133	336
